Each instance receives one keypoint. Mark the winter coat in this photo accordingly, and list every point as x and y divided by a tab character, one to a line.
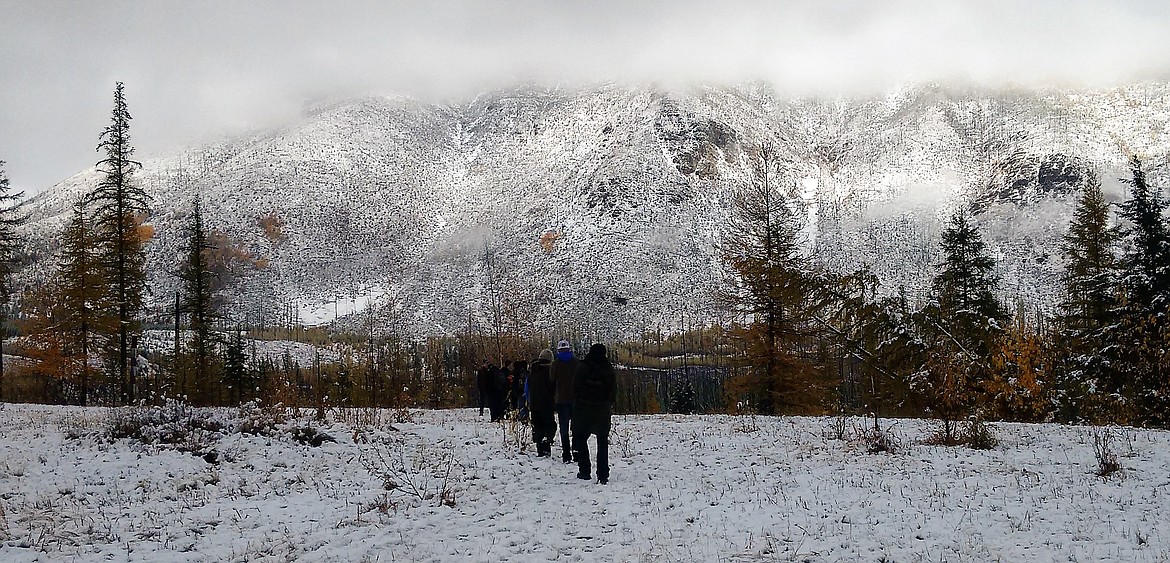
540	387
561	374
484	378
595	388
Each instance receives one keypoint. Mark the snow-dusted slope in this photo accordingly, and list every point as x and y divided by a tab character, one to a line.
603	207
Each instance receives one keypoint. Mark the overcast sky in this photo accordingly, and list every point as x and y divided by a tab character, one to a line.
197	70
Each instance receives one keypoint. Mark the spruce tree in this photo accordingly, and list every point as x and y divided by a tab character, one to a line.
964	289
119	204
11	217
199	302
1087	310
1141	336
961	325
237	377
1146	260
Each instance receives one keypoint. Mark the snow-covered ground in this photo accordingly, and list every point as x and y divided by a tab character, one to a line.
451	486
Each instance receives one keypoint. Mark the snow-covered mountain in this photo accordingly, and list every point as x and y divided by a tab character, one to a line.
603	207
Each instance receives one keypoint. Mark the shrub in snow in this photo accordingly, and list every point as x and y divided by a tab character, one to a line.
977	435
259	421
310	436
175	424
878	440
402	415
424	472
1107	463
836	427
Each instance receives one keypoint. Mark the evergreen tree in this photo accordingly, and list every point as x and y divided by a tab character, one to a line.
120	204
11	217
771	290
84	315
961	324
1140	337
1087	310
201	308
1146	260
236	376
964	289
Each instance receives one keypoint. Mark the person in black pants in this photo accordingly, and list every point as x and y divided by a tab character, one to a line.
540	404
561	373
483	380
594	390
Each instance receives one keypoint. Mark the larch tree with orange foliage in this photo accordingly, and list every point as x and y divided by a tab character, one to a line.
1020	387
770	293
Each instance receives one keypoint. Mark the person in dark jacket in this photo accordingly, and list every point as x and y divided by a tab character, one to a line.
483	380
561	374
540	403
499	396
594	391
519	384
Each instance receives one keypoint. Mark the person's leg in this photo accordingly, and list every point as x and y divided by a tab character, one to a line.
602	456
581	450
550	431
540	431
564	415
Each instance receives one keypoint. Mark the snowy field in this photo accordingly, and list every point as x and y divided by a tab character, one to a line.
451	486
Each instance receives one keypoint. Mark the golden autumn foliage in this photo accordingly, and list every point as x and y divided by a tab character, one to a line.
227	255
273	227
548	241
1019	388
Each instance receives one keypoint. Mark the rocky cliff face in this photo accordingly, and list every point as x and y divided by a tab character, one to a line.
603	207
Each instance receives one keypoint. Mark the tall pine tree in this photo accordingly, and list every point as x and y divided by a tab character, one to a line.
1142	337
119	205
198	301
1085	378
964	289
961	323
11	217
83	312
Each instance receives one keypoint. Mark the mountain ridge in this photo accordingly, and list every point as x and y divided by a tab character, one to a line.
601	208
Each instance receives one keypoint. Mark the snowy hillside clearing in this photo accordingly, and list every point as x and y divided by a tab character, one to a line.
451	486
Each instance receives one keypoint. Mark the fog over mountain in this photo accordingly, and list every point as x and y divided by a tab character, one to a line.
604	206
201	70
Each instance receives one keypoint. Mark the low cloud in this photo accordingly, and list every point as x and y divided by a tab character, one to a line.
198	70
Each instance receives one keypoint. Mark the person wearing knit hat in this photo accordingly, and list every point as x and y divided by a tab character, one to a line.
595	389
561	376
540	403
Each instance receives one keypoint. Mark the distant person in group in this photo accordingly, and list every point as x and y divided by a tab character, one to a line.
483	381
519	383
595	388
499	394
540	403
561	374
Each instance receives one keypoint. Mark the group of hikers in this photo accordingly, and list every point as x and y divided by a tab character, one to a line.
580	393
